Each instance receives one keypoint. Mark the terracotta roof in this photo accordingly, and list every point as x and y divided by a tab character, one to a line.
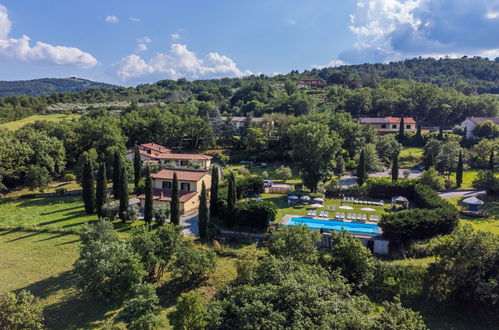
370	120
477	120
174	156
155	147
396	120
166	195
182	174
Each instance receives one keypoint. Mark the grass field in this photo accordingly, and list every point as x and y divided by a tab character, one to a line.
410	157
15	125
491	221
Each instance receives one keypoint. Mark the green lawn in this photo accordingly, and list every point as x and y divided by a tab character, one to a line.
410	157
15	125
49	212
468	177
491	222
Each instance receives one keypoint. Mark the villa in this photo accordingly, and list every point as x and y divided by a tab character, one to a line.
311	83
471	122
153	152
388	125
189	184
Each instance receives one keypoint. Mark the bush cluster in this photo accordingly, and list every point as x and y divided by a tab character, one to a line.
255	214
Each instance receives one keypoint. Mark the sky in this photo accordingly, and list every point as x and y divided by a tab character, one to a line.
129	42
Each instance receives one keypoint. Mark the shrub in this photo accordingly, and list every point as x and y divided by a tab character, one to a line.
110	210
144	303
431	178
255	214
69	177
283	173
487	180
243	171
248	186
334	190
20	311
194	264
191	312
385	188
132	213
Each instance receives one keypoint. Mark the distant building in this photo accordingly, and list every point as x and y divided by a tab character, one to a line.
388	125
189	184
239	121
152	152
311	83
471	122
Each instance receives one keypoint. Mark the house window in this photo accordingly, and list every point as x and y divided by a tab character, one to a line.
408	126
185	186
167	185
184	163
394	126
383	125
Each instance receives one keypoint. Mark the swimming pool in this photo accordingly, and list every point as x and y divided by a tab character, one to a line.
352	227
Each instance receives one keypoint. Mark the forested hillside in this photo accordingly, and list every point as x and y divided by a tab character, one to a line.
46	86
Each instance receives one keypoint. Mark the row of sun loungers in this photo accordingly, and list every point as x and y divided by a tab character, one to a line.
362	202
356	217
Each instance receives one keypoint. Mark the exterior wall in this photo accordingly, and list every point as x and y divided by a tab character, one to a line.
469	127
391	128
158	184
207	182
205	163
131	155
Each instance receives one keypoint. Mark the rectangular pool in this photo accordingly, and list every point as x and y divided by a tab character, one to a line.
352	227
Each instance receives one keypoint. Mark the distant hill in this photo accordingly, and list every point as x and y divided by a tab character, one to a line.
37	87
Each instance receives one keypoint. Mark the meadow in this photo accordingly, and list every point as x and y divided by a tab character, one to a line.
54	117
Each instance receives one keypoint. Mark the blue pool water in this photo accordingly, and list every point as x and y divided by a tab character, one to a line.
352	227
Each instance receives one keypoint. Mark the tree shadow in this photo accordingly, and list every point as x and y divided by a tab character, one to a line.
45	201
61	210
70	216
169	292
25	236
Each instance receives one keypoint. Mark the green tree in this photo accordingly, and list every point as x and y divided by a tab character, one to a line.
488	129
88	186
123	195
339	167
314	147
283	173
137	166
37	178
395	168
351	258
447	158
395	317
491	161
148	202
20	311
194	265
231	195
361	169
101	190
175	204
203	213
401	135
255	140
117	169
290	87
459	170
387	147
141	311
214	191
431	178
191	312
295	242
161	213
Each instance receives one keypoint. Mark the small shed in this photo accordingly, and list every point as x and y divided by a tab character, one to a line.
400	200
473	203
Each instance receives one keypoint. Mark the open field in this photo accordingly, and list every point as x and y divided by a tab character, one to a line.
410	157
15	125
22	191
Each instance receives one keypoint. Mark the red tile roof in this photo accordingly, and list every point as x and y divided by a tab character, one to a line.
174	156
396	120
155	147
166	195
182	174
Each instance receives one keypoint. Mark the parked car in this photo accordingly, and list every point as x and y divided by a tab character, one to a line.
267	183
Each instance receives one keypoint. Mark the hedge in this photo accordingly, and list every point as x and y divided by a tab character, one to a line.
255	214
385	188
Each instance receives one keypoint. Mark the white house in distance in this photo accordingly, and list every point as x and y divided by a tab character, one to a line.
238	122
157	153
190	183
471	122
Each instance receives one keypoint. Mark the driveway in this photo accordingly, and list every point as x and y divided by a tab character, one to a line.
461	193
189	225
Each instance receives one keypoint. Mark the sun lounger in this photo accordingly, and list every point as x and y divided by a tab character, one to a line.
364	217
343	215
337	215
326	214
333	208
381	203
309	213
323	214
359	217
314	213
349	216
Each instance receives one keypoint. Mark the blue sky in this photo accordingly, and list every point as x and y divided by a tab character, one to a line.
130	42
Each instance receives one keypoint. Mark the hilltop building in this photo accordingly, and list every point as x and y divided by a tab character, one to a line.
388	125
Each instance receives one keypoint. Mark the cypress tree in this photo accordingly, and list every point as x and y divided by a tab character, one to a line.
175	204
203	213
231	194
401	129
459	170
137	167
123	194
395	168
214	191
441	131
418	130
491	161
88	186
361	169
117	168
101	189
148	201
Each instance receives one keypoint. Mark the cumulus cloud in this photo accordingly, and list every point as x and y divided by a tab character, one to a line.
332	63
111	19
141	47
134	19
395	29
179	62
21	50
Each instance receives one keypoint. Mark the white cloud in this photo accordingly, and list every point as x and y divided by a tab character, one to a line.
141	47
134	19
332	63
144	40
291	22
5	23
177	63
21	50
492	15
175	36
111	19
